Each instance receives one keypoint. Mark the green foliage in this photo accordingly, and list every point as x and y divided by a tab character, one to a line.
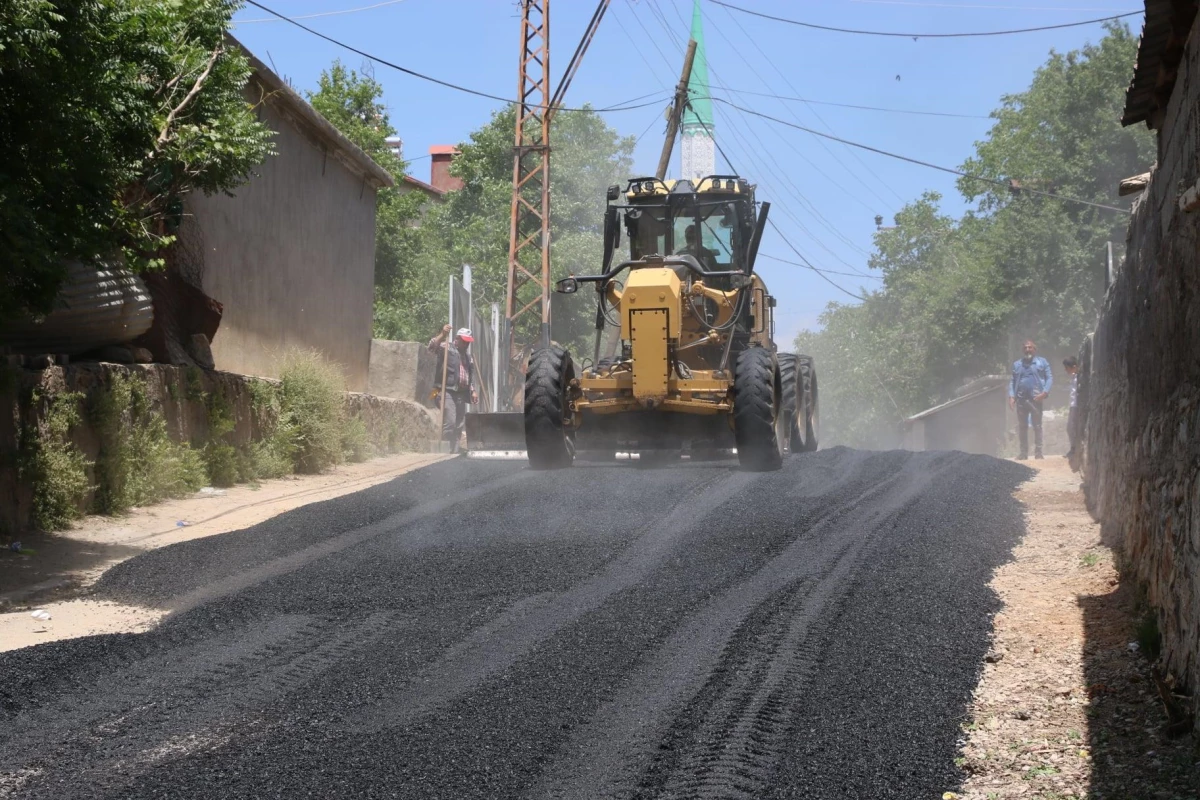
1149	636
957	294
271	455
139	463
303	423
113	109
472	226
312	410
221	459
52	464
420	245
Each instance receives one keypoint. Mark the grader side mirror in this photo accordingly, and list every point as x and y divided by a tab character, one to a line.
567	286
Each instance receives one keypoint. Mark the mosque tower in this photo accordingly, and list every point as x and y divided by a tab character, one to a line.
698	149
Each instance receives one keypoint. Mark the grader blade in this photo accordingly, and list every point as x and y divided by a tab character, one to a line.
499	435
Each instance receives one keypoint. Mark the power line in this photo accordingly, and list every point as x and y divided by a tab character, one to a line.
973	7
922	35
322	13
828	271
960	173
430	78
819	118
789	186
850	105
775	227
820	272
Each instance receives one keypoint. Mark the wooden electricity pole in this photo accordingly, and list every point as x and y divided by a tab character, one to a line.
676	110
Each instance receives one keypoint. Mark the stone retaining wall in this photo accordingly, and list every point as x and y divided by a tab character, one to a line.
180	395
1142	393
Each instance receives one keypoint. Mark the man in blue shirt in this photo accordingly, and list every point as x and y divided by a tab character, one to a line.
1029	388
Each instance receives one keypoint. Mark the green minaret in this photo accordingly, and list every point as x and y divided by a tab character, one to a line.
698	155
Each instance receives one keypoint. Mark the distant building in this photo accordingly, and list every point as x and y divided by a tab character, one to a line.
442	156
440	179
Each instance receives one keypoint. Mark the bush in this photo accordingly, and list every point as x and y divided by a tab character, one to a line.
221	459
139	463
312	411
113	110
50	462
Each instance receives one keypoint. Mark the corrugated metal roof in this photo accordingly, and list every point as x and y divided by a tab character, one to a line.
929	412
1164	34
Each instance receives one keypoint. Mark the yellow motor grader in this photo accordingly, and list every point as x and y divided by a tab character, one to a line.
684	359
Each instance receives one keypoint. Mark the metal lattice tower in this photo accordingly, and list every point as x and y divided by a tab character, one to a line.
529	240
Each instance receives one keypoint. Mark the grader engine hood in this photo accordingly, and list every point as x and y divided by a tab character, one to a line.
651	315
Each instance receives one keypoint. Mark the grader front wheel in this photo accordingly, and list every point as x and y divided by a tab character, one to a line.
759	422
549	439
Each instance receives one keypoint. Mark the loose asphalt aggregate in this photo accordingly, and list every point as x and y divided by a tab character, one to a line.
479	630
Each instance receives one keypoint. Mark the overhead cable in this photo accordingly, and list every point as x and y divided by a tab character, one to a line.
850	105
771	222
831	29
1008	184
322	13
823	269
430	78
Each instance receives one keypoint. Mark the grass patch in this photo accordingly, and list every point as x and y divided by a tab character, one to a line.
1090	559
1149	637
50	462
139	463
221	459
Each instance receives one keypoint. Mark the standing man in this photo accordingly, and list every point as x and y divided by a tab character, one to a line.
1071	365
460	381
1029	388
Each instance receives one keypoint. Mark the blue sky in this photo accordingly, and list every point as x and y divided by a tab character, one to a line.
824	195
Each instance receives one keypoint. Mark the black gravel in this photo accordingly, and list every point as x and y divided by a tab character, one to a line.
478	630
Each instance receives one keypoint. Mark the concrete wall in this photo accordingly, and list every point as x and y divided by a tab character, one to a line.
1142	396
974	424
402	370
291	255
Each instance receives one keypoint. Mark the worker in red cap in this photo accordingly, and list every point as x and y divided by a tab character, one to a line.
460	381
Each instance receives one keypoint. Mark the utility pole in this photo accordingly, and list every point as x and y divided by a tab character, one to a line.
529	231
676	110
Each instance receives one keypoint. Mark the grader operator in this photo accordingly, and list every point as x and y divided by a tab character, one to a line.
684	358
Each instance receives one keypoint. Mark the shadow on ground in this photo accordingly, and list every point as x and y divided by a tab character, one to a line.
50	564
1136	752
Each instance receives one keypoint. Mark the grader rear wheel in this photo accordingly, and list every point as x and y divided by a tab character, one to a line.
812	406
758	421
792	401
549	439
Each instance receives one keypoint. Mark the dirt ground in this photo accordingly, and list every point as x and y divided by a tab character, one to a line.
1067	706
63	565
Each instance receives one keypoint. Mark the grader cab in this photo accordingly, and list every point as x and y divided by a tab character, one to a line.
684	359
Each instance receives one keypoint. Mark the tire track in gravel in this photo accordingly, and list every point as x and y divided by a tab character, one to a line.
152	717
295	561
503	642
715	727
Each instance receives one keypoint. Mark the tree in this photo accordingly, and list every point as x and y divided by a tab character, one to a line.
113	109
472	226
1020	265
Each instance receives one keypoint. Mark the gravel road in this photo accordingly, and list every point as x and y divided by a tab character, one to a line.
478	630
